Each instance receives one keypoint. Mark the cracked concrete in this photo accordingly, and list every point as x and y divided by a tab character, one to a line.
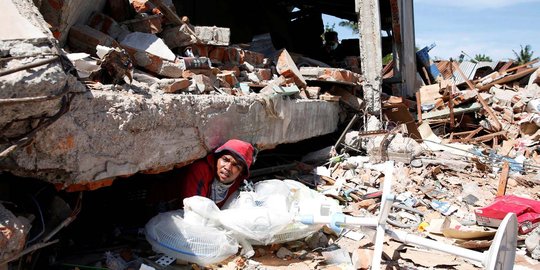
110	133
117	131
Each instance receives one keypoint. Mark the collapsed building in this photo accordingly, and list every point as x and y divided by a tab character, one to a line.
111	91
148	130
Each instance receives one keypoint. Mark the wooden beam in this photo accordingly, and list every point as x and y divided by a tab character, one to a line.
450	93
501	189
418	108
494	121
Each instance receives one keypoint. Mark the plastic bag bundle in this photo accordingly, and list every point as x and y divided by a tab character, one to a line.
171	234
265	216
204	234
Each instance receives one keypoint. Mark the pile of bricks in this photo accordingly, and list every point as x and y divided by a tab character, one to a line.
183	58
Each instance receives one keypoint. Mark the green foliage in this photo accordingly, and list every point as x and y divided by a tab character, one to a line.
386	59
482	57
525	55
352	25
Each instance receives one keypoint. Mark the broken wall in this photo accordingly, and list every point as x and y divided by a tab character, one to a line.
62	14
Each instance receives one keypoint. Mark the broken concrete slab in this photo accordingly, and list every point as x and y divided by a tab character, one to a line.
34	86
150	52
150	44
158	132
178	36
212	35
61	15
346	97
85	38
337	75
13	25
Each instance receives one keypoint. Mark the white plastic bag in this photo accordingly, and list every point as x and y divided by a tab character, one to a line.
170	234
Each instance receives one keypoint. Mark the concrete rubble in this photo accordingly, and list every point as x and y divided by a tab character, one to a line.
144	94
129	90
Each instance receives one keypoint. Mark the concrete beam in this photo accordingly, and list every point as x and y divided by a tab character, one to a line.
407	49
110	133
369	26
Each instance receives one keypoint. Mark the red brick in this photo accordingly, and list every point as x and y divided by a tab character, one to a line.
264	74
107	25
176	85
331	75
228	76
217	55
253	58
286	67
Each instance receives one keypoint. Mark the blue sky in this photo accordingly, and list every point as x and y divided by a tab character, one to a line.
490	27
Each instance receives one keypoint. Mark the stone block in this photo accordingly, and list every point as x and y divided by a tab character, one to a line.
233	56
213	35
84	38
143	6
286	67
107	25
192	72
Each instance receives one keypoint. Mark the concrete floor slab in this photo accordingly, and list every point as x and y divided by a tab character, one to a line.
111	133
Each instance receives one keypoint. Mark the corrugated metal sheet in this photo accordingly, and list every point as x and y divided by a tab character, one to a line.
469	69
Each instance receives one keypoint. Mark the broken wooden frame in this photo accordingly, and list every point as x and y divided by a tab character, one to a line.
500	255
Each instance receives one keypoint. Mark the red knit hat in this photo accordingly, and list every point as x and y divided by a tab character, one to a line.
243	150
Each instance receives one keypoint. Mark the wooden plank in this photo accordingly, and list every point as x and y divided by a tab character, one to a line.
489	137
501	189
444	113
509	78
418	108
450	91
491	115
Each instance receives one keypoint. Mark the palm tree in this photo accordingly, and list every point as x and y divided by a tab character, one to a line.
525	55
482	58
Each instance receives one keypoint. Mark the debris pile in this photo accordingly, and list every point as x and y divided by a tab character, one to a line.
158	50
